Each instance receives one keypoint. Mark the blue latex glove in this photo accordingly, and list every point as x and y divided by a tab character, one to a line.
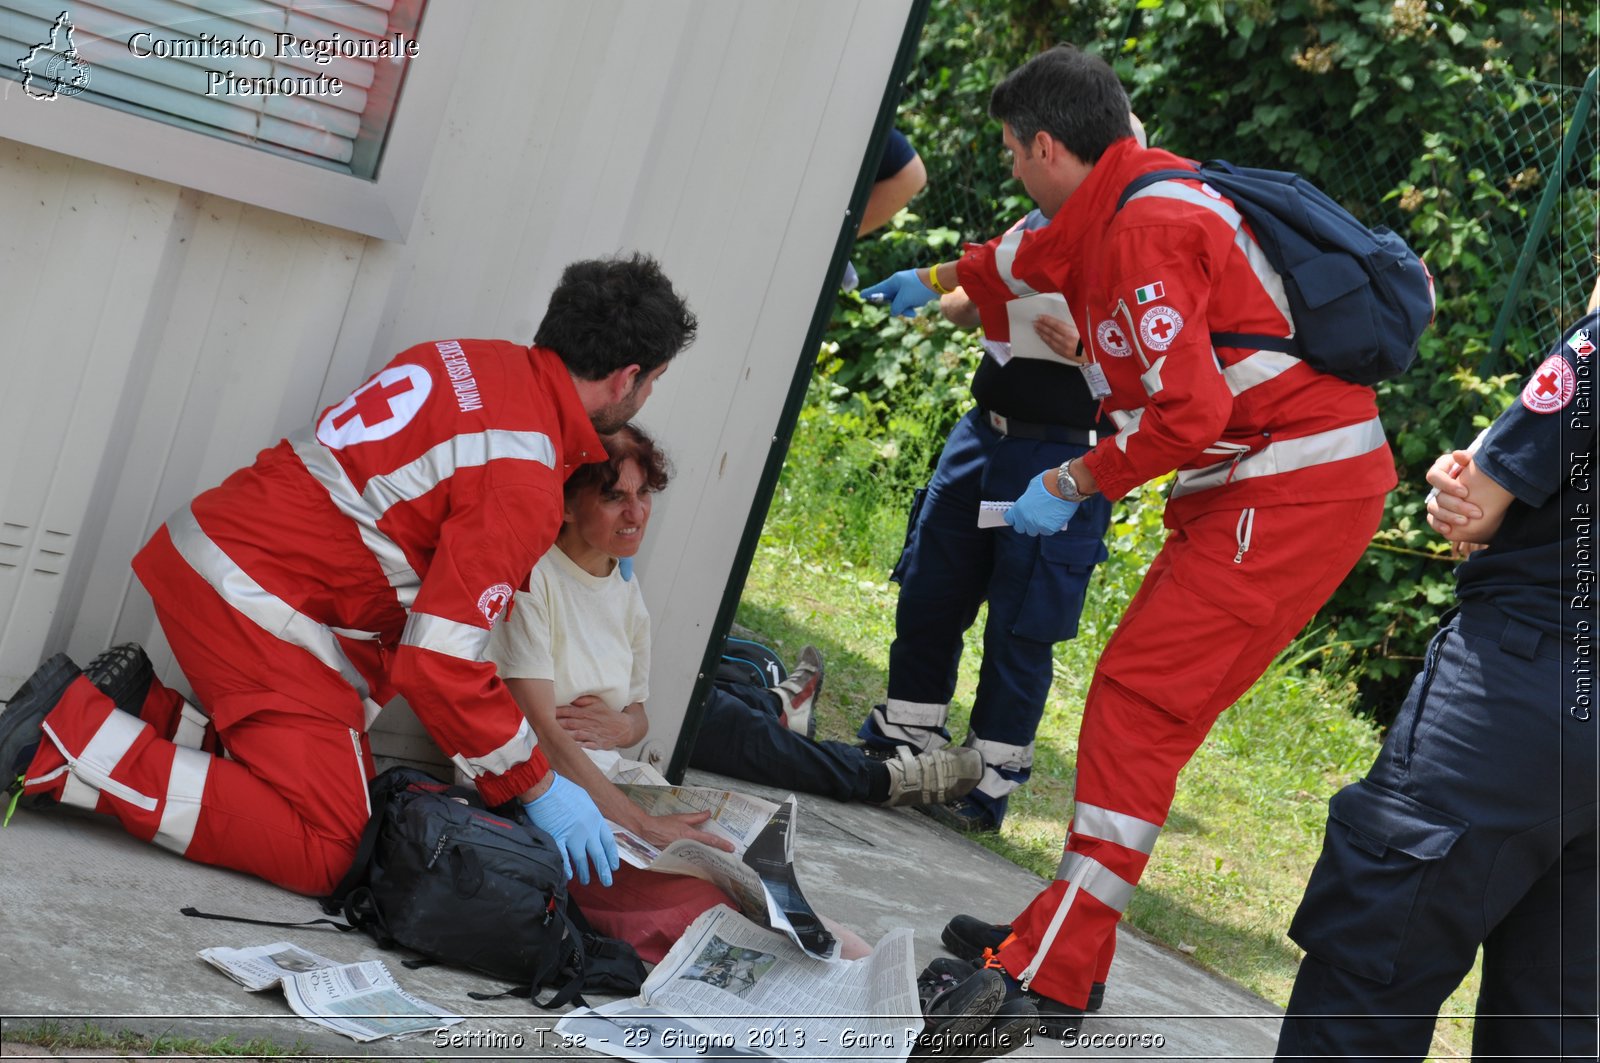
904	293
1038	512
567	814
625	566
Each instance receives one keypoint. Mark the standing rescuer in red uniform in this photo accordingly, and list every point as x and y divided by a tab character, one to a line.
1281	473
369	556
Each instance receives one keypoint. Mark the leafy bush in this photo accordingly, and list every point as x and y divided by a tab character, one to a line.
1441	120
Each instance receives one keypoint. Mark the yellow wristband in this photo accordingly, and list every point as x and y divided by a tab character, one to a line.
933	281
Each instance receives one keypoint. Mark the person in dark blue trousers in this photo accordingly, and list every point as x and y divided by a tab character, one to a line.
1030	414
1477	823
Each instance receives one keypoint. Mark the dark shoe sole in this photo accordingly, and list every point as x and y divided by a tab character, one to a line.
123	673
957	822
1009	1030
19	724
964	1011
1059	1021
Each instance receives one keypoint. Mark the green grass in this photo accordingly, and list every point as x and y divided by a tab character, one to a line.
54	1036
1247	823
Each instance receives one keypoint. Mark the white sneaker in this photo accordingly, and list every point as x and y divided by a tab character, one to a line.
800	691
933	777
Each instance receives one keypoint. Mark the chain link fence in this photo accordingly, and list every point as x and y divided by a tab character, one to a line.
1513	131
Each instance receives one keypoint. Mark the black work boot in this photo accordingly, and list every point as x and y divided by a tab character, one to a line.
20	723
971	938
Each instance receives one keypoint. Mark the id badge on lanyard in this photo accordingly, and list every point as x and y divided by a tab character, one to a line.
1095	377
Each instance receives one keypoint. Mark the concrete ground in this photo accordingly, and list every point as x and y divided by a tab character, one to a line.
90	932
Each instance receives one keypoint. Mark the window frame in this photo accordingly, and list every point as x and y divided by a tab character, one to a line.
384	207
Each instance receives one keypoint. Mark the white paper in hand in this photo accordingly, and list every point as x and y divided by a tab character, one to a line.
1023	312
993	514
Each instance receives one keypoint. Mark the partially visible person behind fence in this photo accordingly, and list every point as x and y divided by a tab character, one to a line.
368	556
1029	413
901	175
1476	825
575	653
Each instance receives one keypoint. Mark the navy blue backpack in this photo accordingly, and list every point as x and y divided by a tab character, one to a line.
1360	298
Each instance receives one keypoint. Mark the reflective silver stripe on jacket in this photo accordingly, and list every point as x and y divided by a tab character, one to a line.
1095	879
1151	378
1005	255
266	610
1130	832
1257	368
1271	283
518	750
1286	455
326	470
409	483
450	637
415	479
1127	422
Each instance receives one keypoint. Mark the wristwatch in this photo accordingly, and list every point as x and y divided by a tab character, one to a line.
1067	485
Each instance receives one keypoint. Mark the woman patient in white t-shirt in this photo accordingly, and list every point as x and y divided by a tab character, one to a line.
575	653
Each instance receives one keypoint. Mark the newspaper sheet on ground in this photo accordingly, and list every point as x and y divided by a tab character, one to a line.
730	987
759	874
359	1000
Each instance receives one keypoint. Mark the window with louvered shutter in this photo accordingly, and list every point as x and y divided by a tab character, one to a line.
312	80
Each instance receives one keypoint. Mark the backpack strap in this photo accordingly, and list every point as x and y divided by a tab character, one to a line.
1244	340
334	903
549	965
198	914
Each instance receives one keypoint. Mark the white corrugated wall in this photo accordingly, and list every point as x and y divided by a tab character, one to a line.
156	337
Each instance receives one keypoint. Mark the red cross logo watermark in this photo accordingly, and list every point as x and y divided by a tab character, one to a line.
1159	327
1111	339
1551	387
377	409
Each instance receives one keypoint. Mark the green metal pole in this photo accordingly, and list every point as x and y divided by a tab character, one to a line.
1541	222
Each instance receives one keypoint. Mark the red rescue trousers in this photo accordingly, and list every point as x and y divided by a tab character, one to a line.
273	784
1228	591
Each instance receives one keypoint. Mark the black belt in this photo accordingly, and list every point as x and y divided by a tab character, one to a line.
1054	433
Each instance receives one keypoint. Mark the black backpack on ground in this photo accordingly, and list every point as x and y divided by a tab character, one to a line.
1359	298
440	874
744	661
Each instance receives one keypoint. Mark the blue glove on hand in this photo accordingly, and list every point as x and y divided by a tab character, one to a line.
567	814
625	566
1038	512
904	293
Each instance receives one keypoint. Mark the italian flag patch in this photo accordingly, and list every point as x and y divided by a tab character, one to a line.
1149	292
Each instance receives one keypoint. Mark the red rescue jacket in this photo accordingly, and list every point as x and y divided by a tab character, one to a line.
1147	286
404	520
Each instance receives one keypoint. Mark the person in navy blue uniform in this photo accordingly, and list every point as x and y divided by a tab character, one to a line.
1476	824
1029	412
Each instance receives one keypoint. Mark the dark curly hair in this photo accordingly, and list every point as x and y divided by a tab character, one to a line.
629	441
609	313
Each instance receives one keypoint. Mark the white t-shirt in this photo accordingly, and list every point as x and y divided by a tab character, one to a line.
589	634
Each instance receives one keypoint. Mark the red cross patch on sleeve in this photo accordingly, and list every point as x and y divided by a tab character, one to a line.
1551	387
